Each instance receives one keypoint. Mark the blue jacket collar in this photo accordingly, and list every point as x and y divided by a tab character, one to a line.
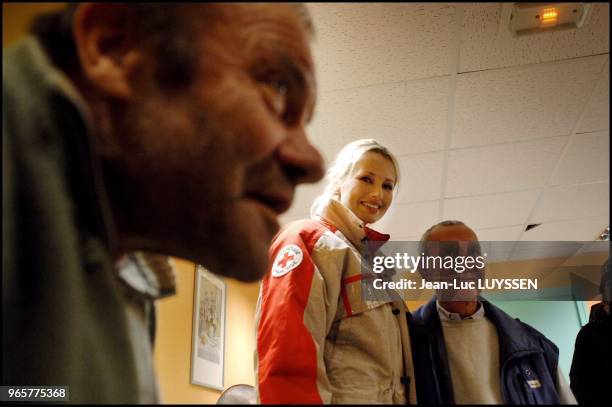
514	336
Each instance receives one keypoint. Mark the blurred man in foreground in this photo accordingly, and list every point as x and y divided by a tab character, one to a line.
177	129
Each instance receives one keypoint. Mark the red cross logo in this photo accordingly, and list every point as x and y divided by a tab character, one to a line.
283	262
286	260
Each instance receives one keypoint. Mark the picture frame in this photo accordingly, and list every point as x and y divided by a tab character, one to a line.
208	332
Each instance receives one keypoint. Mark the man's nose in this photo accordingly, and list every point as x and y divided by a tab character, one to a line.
301	160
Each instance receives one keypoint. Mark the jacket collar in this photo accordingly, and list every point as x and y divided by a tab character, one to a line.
355	230
70	109
514	336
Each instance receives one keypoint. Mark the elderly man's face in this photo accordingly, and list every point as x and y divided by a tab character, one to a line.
455	241
210	168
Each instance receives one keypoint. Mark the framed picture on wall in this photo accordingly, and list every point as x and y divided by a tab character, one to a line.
208	336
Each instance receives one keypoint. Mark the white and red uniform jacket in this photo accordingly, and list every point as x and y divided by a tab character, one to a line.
317	340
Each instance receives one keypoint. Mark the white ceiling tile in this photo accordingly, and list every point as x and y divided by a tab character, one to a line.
526	250
501	168
597	114
421	177
321	137
359	44
496	256
497	248
503	234
571	230
487	43
408	219
372	60
491	210
573	201
406	118
587	159
497	244
522	103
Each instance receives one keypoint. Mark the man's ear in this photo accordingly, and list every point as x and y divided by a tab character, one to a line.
108	50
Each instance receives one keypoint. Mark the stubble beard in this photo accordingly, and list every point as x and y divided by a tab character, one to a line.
201	217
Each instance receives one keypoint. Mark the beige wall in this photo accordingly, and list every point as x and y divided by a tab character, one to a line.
173	343
16	18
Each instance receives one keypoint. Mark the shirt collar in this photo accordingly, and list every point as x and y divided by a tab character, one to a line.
452	316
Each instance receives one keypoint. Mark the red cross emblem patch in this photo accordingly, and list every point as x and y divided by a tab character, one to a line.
286	260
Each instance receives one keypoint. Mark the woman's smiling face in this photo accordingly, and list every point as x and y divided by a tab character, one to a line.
368	189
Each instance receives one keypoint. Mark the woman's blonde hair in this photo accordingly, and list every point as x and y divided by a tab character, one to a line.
343	165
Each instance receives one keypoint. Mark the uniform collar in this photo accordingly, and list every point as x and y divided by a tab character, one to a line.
348	223
452	316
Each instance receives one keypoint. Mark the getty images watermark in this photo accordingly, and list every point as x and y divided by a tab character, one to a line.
506	270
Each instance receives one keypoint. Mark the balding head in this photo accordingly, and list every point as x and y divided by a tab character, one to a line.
454	242
447	231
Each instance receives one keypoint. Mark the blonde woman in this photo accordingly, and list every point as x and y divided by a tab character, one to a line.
317	340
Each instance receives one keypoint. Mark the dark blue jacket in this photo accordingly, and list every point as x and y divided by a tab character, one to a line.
525	356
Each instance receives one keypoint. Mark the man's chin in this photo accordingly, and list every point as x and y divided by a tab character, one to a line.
246	244
238	241
244	263
250	267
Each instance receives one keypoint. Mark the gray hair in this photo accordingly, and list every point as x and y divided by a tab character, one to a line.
166	28
343	165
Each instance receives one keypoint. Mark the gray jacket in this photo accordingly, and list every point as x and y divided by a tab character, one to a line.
64	318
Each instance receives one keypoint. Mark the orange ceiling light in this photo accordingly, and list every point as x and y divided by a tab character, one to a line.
550	16
531	18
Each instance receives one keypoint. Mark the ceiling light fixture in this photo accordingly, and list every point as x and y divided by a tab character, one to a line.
531	18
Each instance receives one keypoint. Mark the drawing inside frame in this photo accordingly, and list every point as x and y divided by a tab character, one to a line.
208	335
